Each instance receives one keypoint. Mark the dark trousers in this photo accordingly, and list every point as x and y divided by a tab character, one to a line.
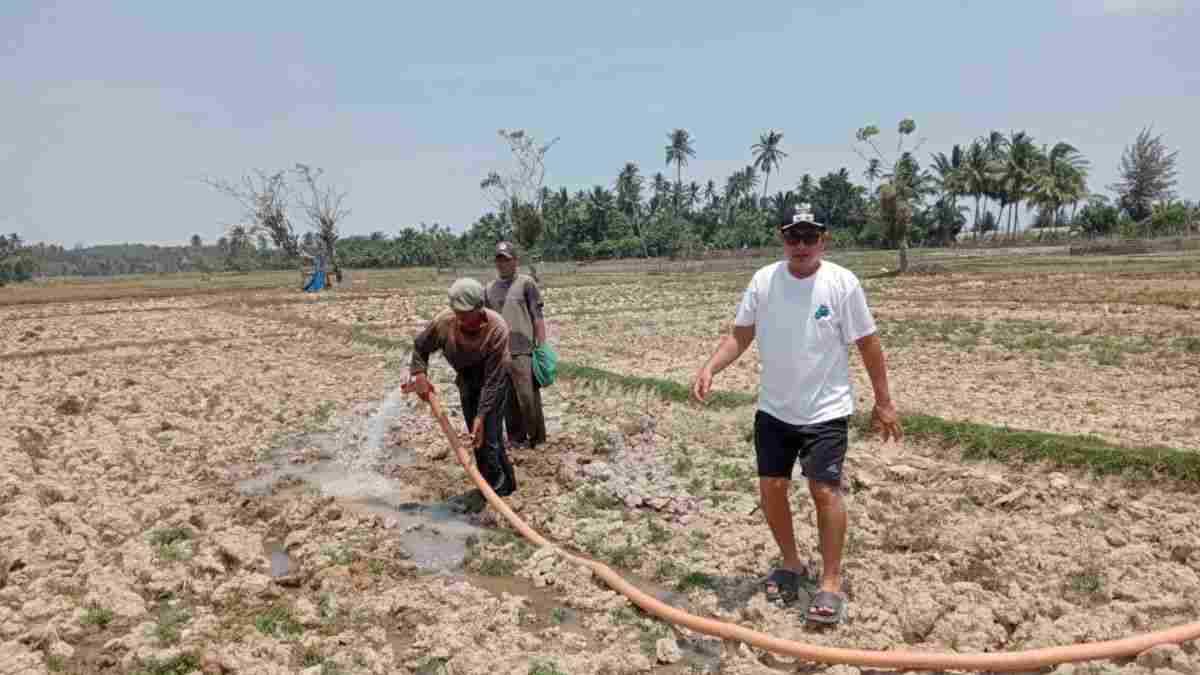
523	414
491	458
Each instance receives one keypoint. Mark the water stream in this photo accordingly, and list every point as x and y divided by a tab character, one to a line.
354	465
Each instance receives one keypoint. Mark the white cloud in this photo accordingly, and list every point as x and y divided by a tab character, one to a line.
1139	7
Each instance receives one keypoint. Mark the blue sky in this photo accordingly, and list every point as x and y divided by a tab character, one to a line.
115	111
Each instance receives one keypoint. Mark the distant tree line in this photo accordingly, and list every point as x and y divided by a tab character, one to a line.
980	189
16	260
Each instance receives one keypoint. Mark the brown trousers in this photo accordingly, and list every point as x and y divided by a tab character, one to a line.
523	414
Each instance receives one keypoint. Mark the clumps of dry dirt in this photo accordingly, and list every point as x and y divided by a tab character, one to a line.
628	466
70	405
122	546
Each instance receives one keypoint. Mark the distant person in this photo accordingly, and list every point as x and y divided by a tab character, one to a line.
474	340
516	297
805	312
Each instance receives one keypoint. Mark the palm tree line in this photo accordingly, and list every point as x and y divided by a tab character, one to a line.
661	214
988	186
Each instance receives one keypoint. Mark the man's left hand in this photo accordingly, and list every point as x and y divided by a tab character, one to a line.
885	419
477	432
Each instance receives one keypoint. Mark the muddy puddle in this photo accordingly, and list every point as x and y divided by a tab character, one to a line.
361	468
357	466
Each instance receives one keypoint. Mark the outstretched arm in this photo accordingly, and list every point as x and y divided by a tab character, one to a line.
428	341
731	346
884	415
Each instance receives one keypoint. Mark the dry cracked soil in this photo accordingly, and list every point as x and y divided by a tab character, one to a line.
227	483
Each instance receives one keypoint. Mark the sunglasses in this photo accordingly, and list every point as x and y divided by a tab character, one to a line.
806	236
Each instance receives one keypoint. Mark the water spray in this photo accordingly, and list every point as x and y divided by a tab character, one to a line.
1033	659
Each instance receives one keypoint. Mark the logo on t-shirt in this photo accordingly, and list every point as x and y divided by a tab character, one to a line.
822	312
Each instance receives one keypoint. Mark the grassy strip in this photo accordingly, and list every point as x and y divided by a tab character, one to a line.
360	334
672	391
977	441
984	441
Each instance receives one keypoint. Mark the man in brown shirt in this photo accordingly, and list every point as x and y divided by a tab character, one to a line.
516	297
475	342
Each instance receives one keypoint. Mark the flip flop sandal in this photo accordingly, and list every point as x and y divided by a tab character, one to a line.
836	601
782	587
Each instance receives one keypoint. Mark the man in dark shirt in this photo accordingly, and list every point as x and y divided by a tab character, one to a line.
475	342
516	297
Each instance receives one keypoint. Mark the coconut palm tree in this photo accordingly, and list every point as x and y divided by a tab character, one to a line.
710	193
659	186
1059	178
629	189
600	209
806	188
678	151
1017	174
949	178
767	155
978	173
873	171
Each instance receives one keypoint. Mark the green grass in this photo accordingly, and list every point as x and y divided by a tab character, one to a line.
671	391
312	658
170	535
179	550
590	500
338	555
177	665
97	616
983	441
278	622
1189	344
657	533
432	666
170	624
496	566
1087	581
323	413
361	334
683	465
695	580
545	668
502	563
625	555
1043	338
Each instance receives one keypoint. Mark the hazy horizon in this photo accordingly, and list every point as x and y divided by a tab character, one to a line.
116	113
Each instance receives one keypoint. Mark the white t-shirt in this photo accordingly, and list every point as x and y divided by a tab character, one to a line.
804	328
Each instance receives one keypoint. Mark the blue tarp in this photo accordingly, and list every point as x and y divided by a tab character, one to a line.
316	282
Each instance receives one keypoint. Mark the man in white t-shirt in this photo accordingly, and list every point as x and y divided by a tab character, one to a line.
805	312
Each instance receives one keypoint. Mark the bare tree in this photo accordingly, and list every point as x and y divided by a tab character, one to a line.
524	184
323	207
901	188
265	198
521	193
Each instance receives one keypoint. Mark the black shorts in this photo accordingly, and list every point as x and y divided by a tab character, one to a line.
820	448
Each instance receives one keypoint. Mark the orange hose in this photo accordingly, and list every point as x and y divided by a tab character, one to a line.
901	660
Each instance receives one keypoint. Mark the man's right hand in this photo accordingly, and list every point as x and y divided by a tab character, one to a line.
421	385
702	384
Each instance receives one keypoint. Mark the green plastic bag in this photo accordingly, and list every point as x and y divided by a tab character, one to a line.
545	364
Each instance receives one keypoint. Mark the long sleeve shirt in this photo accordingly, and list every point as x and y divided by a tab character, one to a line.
485	354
